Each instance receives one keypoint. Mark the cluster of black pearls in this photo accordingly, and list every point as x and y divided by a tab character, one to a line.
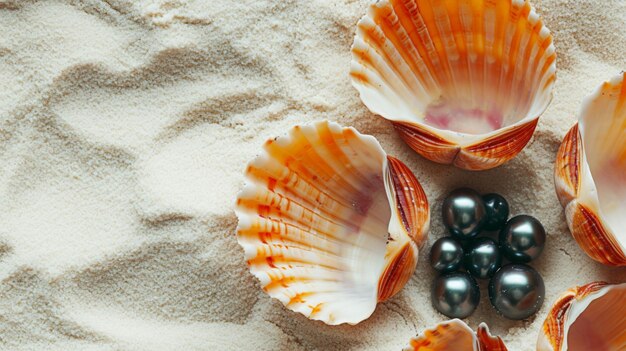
516	290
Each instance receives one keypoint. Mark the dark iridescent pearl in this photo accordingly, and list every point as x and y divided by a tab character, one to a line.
446	255
455	295
497	211
483	258
464	213
516	291
522	239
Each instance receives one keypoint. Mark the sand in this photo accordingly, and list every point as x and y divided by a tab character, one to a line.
124	131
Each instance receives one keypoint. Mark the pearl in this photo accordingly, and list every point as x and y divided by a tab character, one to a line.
446	255
483	258
522	239
455	295
516	291
497	211
464	213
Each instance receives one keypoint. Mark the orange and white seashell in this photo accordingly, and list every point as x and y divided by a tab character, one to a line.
464	82
590	317
456	335
590	174
329	223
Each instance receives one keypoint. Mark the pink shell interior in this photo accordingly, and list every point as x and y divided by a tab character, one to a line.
601	325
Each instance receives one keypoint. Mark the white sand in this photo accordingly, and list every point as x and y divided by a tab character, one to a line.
124	131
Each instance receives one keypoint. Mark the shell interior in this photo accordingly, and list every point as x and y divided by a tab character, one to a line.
467	67
598	321
314	219
602	126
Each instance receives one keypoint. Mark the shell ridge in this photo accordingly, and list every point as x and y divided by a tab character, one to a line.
298	219
519	44
398	272
414	25
427	13
547	55
410	200
599	243
487	342
459	26
424	44
498	148
406	48
323	137
321	169
375	59
274	230
273	255
287	241
363	73
567	178
292	186
554	325
501	46
384	39
450	45
450	335
427	143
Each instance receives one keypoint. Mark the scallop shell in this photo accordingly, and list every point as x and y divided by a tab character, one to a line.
329	223
590	174
590	317
464	82
456	335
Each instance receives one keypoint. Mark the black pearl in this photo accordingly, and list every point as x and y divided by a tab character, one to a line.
483	258
455	295
446	255
522	239
516	291
497	211
464	213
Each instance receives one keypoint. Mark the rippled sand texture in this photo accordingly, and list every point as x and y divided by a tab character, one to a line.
124	132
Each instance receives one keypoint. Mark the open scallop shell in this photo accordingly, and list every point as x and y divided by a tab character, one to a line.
456	335
329	223
590	174
590	317
464	82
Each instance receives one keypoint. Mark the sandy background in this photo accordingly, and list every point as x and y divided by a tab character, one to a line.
124	131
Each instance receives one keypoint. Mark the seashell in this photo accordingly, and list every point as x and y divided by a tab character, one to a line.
456	335
329	223
464	82
590	174
590	317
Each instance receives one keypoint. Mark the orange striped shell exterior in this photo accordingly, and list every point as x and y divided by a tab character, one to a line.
485	154
456	335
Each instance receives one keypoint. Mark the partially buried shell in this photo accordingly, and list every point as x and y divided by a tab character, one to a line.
463	81
456	335
329	223
590	174
590	317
